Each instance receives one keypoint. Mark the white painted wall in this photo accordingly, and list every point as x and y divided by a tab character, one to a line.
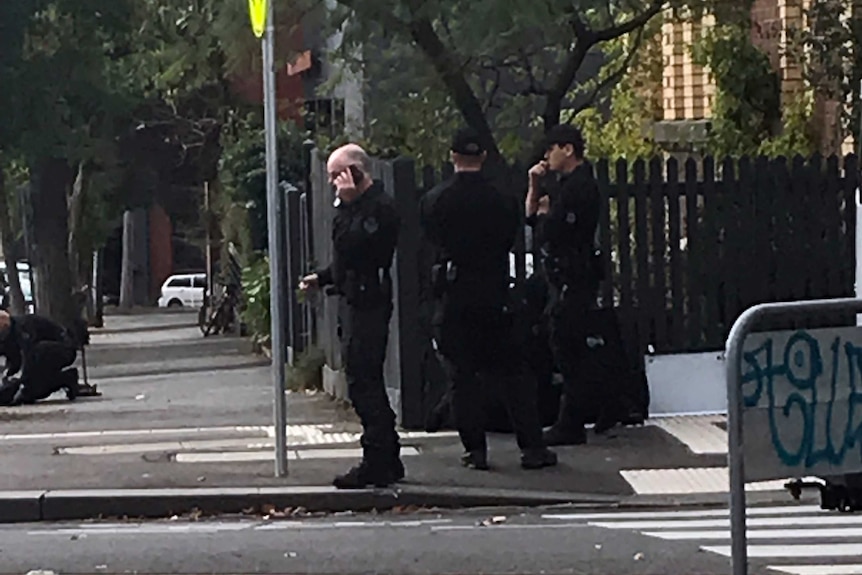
686	383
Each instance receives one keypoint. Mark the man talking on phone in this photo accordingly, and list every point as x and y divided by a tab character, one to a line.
364	235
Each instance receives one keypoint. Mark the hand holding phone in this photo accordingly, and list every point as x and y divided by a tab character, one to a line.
346	183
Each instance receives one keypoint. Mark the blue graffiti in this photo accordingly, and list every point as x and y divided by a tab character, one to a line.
806	408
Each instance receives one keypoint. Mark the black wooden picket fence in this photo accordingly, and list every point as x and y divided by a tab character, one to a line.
687	247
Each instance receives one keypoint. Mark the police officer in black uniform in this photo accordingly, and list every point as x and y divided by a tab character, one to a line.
42	351
567	254
475	228
364	235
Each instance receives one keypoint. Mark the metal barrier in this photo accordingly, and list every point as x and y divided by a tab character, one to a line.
735	406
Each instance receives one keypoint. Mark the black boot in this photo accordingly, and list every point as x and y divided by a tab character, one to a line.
569	428
477	459
366	474
538	458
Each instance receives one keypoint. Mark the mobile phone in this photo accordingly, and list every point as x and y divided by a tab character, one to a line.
357	174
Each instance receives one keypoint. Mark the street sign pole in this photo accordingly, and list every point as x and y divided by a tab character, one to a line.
262	20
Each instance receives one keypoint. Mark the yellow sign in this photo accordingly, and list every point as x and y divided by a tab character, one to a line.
257	11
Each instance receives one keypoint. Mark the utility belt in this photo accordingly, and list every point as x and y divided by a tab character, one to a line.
573	268
366	289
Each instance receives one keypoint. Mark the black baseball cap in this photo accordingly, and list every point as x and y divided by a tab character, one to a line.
563	134
467	142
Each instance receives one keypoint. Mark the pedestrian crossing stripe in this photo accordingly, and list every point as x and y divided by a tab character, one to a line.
787	537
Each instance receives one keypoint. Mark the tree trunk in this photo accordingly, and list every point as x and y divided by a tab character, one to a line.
16	303
127	280
76	208
51	180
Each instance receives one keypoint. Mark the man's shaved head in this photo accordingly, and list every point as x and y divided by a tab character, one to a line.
349	155
345	157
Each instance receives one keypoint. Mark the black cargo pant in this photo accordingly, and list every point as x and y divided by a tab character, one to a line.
474	343
364	335
568	314
46	374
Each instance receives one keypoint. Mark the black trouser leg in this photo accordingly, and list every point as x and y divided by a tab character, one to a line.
44	375
568	323
521	396
365	336
466	404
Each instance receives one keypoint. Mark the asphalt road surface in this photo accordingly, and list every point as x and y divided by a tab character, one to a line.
795	539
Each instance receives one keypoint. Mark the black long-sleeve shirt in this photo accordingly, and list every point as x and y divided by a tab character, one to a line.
475	227
567	232
364	237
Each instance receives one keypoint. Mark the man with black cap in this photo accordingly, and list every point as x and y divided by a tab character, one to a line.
475	227
567	253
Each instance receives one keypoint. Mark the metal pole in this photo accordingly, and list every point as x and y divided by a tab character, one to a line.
858	253
276	248
735	436
209	252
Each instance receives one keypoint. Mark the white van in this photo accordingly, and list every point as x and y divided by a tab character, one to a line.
183	290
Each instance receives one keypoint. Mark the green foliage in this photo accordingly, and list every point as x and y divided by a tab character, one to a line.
256	311
747	115
494	65
633	104
242	170
306	374
747	106
829	50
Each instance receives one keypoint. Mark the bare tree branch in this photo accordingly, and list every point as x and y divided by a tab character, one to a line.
613	78
632	24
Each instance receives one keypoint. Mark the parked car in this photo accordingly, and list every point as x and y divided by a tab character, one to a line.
24	279
183	290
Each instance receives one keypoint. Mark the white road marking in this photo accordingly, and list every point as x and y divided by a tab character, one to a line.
854	569
698	432
712	523
786	510
266	455
690	480
262	429
782	551
795	532
838	533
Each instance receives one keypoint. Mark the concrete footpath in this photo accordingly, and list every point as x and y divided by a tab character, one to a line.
185	426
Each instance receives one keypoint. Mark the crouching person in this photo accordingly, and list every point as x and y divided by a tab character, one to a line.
42	351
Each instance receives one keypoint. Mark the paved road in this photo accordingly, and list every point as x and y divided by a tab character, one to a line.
792	539
524	542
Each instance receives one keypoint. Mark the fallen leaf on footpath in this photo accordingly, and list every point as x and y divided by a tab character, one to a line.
638	556
290	554
202	478
140	397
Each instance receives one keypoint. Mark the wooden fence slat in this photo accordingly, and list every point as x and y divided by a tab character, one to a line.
750	274
607	287
645	336
729	252
711	260
851	184
677	296
831	224
693	258
658	261
624	251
